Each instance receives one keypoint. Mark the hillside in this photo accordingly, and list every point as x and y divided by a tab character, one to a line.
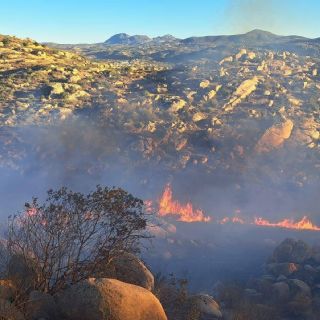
215	109
39	83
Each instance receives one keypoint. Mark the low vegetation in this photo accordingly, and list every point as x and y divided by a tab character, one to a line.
70	237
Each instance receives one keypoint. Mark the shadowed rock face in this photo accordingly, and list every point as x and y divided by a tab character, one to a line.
101	299
291	250
128	268
290	285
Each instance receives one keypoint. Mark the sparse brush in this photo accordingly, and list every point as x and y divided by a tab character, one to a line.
71	237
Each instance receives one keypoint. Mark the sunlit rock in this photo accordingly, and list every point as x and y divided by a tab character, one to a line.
100	299
274	137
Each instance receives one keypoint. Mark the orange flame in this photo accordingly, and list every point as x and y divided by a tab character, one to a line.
186	212
303	224
167	206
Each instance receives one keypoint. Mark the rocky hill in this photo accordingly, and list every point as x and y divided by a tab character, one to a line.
216	108
171	49
39	83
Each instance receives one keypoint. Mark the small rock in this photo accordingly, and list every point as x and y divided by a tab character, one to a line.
206	305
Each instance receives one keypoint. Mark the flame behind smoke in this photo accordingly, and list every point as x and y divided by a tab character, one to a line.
168	206
185	212
303	224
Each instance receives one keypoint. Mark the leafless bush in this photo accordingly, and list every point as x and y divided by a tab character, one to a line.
72	236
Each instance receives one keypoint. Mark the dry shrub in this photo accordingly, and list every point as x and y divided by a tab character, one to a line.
71	237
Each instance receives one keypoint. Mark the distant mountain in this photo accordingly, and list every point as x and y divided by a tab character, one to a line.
125	39
251	38
169	49
165	38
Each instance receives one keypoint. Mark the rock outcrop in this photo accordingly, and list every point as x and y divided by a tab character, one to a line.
243	91
274	137
291	281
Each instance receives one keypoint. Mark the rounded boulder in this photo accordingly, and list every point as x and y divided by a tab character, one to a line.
108	299
206	305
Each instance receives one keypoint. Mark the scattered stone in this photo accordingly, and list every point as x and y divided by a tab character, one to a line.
204	84
274	137
56	88
199	116
177	105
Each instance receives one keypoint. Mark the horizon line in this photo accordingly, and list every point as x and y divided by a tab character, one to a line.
167	34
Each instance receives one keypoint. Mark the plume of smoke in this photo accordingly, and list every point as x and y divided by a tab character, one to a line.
245	15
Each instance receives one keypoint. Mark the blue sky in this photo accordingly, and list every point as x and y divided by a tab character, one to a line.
74	21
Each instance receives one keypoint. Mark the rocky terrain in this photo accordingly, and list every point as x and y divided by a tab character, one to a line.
40	84
289	289
223	113
222	106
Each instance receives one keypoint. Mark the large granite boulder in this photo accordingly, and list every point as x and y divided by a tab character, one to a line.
108	299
